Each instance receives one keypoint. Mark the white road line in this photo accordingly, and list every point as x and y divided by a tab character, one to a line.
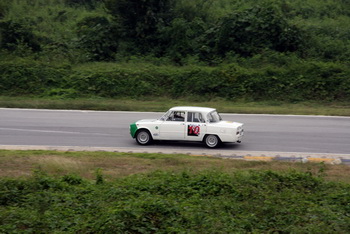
50	131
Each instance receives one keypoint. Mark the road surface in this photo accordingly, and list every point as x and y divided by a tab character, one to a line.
277	133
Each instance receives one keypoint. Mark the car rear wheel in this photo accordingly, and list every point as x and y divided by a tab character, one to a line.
143	137
212	141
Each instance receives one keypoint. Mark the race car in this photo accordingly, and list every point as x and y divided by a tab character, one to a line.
187	123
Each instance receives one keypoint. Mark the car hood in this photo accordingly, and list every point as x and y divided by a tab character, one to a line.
146	120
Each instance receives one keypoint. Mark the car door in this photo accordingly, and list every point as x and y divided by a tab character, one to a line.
173	128
195	126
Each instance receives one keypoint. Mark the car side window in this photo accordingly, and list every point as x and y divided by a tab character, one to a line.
176	116
211	118
195	117
214	117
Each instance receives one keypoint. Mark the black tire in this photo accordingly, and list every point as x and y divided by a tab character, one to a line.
143	137
212	141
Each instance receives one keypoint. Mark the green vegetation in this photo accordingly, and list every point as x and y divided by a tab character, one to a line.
325	81
21	164
161	104
90	192
271	50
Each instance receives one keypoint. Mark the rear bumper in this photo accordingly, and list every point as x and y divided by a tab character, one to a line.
240	136
232	138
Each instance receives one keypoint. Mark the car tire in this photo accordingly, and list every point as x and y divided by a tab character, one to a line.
212	141
143	137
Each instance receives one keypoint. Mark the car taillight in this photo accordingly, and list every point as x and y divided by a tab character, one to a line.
239	129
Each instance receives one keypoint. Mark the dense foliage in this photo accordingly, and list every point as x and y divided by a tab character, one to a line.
285	50
326	81
207	202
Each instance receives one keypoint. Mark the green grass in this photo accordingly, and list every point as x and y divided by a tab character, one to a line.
163	104
168	194
17	164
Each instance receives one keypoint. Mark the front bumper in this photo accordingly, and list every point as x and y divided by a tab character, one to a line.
133	129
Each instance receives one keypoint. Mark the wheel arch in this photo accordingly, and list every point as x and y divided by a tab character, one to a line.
143	128
207	134
143	136
213	142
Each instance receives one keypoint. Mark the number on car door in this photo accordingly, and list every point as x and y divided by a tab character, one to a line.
195	126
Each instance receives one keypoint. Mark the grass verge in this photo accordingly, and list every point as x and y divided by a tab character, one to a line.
163	104
153	193
14	164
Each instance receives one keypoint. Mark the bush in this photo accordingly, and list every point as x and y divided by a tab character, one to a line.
166	202
23	77
290	81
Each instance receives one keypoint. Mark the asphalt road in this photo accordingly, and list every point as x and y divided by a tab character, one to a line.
311	134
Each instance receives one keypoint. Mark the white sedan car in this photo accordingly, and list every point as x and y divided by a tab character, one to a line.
188	123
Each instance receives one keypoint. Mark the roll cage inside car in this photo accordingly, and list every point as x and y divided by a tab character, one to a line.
192	116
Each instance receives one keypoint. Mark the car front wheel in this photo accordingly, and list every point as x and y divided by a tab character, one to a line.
212	141
143	137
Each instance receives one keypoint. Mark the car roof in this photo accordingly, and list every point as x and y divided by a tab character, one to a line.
193	108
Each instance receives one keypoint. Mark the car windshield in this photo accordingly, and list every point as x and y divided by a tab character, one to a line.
165	116
214	117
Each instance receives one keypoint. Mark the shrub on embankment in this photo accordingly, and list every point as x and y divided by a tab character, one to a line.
22	77
165	202
298	81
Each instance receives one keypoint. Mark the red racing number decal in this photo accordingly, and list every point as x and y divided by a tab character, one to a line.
193	130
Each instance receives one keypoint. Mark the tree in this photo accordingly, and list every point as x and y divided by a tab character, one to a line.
181	38
142	20
261	27
87	3
98	38
13	34
3	9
